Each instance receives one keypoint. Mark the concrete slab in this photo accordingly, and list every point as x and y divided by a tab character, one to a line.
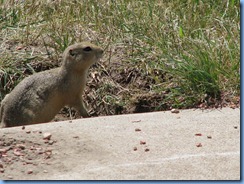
190	145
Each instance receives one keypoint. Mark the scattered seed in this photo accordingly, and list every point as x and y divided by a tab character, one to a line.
29	172
235	127
135	148
76	136
199	145
209	137
137	129
1	170
147	149
28	131
198	134
142	142
1	165
23	127
135	121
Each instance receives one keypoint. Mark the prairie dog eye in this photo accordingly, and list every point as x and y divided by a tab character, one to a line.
87	49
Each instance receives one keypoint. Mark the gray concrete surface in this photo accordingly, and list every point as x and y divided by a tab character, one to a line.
190	145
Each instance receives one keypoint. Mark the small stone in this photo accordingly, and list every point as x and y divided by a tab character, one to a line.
209	137
1	165
135	148
175	111
47	135
45	171
1	170
137	129
235	127
28	131
23	127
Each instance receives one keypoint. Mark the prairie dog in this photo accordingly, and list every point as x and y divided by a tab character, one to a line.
39	97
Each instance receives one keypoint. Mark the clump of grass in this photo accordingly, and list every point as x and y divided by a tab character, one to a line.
166	53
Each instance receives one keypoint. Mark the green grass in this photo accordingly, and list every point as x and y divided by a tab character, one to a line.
167	53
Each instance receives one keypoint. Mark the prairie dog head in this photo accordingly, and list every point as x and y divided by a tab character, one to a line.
81	56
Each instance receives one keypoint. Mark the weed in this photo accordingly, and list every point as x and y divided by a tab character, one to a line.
158	54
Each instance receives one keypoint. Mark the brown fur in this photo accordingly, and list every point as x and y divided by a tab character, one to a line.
39	97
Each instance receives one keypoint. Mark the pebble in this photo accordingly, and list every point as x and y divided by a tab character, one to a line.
199	145
21	146
47	135
175	111
3	150
29	172
10	177
50	142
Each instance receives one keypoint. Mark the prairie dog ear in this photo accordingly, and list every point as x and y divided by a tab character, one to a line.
72	52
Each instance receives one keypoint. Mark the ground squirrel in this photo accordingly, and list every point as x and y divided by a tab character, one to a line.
39	97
